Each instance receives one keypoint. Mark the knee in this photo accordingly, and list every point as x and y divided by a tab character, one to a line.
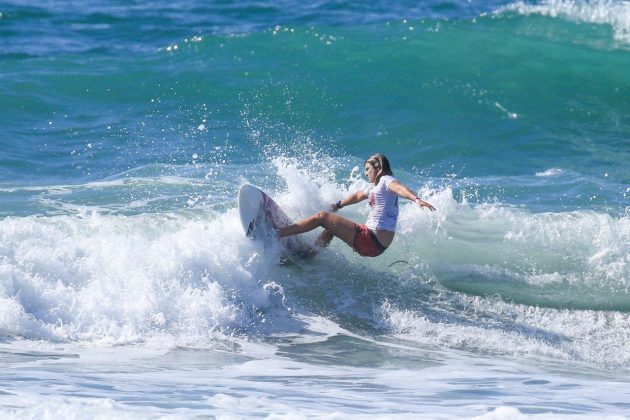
322	217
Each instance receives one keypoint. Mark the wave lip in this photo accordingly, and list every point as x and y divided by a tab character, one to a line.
608	12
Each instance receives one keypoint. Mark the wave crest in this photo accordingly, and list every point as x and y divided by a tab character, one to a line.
608	12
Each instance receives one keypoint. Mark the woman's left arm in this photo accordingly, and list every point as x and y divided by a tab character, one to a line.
401	190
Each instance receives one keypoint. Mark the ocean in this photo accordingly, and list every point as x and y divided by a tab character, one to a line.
127	286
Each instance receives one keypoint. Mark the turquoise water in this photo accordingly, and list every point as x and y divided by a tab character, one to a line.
126	129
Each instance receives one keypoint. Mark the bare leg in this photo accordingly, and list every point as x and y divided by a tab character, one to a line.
338	226
324	239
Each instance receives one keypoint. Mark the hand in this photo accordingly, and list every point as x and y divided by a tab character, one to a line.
336	206
423	203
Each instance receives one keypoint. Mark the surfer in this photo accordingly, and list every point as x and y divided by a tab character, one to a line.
372	238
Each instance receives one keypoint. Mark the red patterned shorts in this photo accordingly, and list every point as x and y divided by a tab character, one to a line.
366	243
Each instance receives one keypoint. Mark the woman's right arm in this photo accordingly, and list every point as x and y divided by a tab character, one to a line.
353	198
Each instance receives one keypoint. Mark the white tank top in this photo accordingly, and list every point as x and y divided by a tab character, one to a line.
383	205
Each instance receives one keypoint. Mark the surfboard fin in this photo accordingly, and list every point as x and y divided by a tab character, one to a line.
250	230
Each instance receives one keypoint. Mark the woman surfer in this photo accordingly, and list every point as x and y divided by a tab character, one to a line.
372	238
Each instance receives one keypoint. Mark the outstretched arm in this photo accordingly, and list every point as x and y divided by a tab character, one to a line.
351	199
405	192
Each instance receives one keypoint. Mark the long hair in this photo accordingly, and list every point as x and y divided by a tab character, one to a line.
381	164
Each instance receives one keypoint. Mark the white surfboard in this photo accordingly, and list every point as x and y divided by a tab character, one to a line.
261	217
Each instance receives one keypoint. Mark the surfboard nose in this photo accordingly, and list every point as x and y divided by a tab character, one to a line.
250	199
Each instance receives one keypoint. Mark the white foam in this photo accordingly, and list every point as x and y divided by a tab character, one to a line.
550	172
485	325
585	247
580	253
512	413
54	407
192	278
121	279
591	246
608	12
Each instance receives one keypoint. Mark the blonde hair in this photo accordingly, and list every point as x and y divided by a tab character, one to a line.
381	164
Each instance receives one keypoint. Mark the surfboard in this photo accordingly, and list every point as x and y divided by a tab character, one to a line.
261	218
